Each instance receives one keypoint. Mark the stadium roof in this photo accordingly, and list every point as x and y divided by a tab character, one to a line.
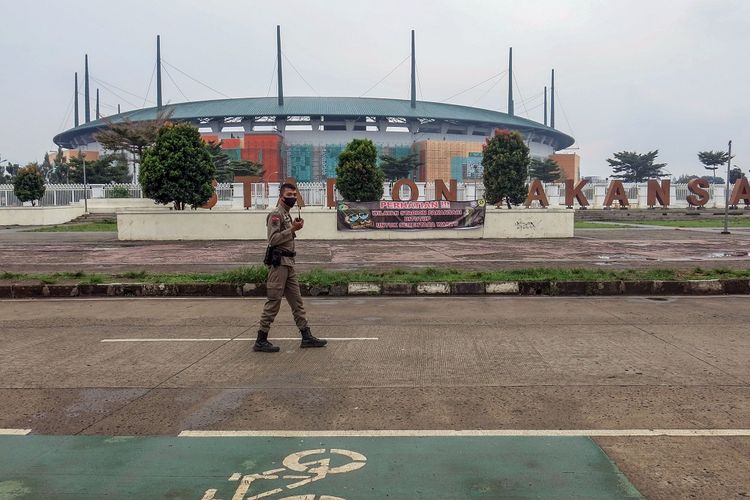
328	107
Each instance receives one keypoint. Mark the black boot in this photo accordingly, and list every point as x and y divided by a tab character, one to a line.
262	344
309	341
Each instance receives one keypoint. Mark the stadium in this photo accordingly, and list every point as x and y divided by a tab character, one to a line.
301	137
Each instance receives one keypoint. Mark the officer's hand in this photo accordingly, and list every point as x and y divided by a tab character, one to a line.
297	224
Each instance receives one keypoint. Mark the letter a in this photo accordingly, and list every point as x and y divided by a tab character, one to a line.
536	192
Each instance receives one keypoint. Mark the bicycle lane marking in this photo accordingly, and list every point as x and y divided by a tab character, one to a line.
249	468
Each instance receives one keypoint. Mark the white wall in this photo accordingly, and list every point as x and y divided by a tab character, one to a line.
320	224
38	216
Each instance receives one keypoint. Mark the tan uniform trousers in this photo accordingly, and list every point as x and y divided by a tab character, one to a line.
282	281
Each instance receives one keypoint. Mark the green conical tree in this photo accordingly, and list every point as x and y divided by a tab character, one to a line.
178	168
358	178
505	161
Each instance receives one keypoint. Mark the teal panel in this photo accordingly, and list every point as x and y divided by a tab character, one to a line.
233	154
330	159
457	168
299	162
400	151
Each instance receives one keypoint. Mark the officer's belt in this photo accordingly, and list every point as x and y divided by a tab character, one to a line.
287	253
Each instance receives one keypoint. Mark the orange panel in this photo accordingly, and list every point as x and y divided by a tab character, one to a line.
265	149
231	144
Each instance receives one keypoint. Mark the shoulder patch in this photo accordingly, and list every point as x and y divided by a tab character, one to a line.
275	219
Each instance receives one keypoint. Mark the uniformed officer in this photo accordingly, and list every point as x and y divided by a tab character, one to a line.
282	278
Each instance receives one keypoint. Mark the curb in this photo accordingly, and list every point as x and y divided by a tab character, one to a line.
507	288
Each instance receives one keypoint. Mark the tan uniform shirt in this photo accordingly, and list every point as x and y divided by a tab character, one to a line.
279	226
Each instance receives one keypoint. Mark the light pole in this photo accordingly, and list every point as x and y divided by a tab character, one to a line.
85	190
726	193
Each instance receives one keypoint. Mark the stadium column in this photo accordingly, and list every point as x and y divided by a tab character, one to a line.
86	103
510	81
413	74
75	103
158	71
552	102
278	65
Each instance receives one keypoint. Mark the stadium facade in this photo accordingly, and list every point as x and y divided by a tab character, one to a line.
301	137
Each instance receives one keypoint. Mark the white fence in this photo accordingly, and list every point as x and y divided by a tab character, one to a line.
66	194
314	194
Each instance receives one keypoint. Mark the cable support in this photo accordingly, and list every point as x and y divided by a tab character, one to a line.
105	87
565	115
67	114
195	80
273	76
386	76
419	82
537	106
299	74
476	85
169	75
534	98
108	84
518	89
487	91
148	90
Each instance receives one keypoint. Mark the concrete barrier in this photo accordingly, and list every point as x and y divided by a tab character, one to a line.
38	216
320	224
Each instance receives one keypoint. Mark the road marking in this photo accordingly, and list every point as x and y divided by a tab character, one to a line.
226	339
491	433
14	432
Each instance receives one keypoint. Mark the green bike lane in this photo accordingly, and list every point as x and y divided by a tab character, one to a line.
307	467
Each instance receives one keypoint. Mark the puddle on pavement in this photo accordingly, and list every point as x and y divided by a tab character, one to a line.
624	256
719	255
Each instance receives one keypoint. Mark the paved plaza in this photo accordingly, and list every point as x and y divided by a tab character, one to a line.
23	251
413	398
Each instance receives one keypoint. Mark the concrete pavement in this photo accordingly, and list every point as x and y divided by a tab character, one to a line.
591	248
121	367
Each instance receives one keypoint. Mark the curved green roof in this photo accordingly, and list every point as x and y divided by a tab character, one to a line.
344	107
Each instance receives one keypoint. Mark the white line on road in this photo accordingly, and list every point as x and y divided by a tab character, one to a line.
485	433
14	432
226	339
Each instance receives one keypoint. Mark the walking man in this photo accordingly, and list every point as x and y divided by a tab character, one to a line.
282	278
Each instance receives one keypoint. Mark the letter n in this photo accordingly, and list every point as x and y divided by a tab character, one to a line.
616	192
741	191
536	192
576	193
656	193
443	193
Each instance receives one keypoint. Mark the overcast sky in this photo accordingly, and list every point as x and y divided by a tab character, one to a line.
630	74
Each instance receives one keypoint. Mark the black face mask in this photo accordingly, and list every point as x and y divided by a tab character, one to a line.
290	201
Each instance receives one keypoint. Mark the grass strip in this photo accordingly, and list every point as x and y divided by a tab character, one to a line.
90	227
320	277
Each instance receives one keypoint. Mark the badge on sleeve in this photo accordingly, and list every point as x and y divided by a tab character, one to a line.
275	220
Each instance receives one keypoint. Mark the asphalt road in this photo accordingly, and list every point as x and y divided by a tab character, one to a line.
87	368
